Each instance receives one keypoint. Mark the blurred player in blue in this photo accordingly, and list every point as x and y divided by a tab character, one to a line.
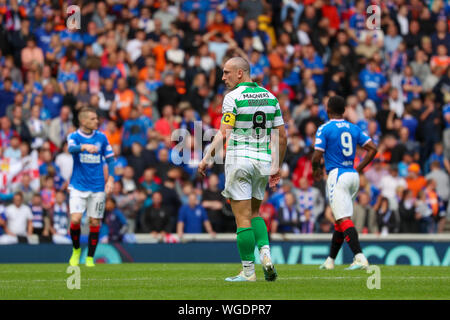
90	149
336	141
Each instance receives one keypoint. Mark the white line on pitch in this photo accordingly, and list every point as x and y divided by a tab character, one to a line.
213	279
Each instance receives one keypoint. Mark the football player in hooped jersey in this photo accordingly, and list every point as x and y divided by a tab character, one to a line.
251	119
336	141
90	149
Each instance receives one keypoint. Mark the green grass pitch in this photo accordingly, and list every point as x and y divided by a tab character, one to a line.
178	281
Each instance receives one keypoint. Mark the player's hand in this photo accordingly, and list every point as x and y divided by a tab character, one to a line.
274	179
202	168
109	186
90	148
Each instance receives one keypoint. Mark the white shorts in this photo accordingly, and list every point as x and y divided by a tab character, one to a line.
246	179
341	192
91	202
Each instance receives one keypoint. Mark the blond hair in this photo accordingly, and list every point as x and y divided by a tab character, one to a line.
84	111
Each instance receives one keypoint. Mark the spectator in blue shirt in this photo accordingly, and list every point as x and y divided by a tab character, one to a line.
313	61
66	75
6	96
409	121
374	82
192	217
114	224
134	130
260	38
151	82
110	70
256	68
52	101
411	85
229	12
47	161
121	162
56	51
60	219
201	7
357	22
71	37
39	213
437	155
288	216
91	35
35	14
278	198
44	36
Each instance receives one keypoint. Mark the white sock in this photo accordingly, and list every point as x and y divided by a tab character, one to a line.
264	251
249	268
330	259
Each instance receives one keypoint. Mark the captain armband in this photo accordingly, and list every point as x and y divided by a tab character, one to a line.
228	118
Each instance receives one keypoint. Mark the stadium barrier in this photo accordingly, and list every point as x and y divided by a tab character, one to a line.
407	249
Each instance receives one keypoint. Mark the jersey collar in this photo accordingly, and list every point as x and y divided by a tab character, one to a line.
86	135
247	84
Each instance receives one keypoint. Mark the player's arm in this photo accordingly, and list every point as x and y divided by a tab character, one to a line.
109	158
77	148
219	140
371	149
278	142
282	143
320	145
82	147
278	145
110	182
316	164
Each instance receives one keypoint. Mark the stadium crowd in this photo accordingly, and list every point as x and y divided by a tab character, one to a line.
153	66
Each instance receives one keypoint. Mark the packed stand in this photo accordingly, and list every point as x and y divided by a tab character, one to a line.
150	67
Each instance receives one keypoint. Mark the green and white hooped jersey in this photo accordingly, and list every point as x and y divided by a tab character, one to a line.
254	111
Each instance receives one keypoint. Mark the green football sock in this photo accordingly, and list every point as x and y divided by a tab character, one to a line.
260	230
246	244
